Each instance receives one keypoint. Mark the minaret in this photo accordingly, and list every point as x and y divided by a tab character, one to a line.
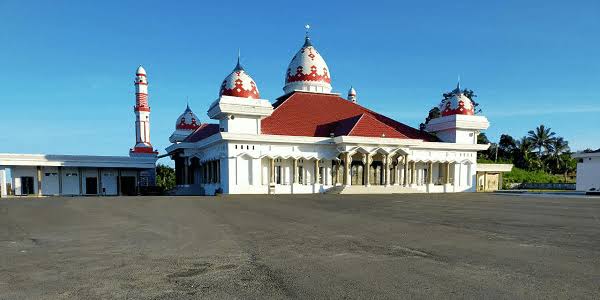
142	116
352	95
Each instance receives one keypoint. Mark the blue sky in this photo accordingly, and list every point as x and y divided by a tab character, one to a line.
67	67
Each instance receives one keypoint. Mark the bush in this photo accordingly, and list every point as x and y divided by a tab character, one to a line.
523	176
165	178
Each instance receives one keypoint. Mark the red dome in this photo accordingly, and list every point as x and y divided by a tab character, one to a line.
239	84
187	121
457	104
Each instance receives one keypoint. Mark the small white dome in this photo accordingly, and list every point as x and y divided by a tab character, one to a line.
239	84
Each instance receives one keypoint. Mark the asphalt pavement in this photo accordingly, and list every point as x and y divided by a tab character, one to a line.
303	247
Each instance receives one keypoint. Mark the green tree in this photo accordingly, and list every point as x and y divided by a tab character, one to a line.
165	178
556	159
522	153
541	139
506	147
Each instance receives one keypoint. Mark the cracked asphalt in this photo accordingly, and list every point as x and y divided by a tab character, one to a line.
303	247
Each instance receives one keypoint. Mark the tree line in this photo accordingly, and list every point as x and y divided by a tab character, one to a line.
540	150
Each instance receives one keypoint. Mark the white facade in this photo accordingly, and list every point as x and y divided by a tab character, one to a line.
313	141
588	171
262	164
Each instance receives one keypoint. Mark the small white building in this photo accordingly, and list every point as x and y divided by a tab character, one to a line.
311	140
45	175
69	175
588	171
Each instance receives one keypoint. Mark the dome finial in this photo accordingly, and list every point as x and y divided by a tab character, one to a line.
457	90
238	66
307	37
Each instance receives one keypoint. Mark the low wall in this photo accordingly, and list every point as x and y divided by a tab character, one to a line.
542	186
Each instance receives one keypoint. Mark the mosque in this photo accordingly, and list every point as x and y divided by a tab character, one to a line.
312	140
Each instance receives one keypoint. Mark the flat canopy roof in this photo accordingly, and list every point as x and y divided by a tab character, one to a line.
90	161
494	167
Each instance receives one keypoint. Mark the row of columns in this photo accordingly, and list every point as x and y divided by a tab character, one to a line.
315	180
410	170
210	172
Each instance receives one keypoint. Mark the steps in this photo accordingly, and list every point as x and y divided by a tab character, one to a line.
373	189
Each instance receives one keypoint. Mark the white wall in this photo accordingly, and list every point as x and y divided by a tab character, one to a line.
70	181
3	181
109	181
241	124
588	174
50	181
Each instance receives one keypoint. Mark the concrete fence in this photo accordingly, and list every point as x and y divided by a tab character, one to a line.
542	186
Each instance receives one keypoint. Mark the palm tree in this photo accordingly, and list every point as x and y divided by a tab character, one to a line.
558	147
542	139
521	152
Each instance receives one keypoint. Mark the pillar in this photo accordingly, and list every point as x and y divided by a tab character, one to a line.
185	170
80	181
119	183
295	170
386	165
316	175
447	173
39	181
397	172
430	173
60	181
272	168
367	170
99	182
406	170
3	191
413	173
347	163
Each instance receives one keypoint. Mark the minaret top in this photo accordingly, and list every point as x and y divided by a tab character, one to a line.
352	95
140	71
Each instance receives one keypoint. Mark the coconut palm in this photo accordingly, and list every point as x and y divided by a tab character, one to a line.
558	147
542	138
521	153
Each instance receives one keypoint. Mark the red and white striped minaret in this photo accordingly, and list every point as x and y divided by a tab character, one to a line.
142	116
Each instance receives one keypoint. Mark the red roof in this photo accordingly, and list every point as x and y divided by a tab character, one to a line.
320	115
205	130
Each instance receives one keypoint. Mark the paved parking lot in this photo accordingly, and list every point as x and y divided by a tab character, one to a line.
314	246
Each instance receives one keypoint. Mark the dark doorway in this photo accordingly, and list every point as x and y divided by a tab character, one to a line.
128	186
26	185
91	185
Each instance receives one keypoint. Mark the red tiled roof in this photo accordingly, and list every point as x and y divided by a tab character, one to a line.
319	115
205	130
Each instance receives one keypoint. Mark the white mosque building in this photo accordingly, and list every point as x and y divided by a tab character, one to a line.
311	140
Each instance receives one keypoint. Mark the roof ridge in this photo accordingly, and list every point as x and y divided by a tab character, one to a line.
380	122
362	115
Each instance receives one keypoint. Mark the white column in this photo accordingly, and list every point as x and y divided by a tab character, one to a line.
386	165
3	191
316	176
